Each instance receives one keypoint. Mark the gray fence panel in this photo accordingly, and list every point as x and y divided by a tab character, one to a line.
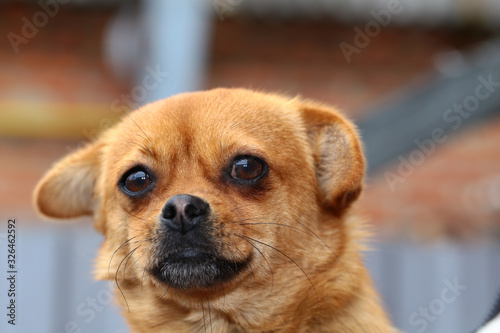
412	277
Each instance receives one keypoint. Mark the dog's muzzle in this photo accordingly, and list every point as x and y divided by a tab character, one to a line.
186	256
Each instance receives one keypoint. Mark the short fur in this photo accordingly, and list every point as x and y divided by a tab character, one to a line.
295	229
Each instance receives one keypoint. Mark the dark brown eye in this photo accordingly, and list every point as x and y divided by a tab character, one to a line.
247	168
135	181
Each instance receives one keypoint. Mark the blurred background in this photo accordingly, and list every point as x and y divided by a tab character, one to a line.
421	79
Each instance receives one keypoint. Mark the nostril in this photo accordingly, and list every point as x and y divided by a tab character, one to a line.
196	207
191	211
169	212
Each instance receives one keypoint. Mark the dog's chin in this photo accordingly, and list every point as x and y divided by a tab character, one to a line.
192	270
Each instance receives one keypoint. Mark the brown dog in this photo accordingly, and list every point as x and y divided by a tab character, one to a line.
226	211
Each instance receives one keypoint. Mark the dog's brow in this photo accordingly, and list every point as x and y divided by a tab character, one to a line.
145	150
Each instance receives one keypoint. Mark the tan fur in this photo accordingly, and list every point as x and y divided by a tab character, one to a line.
305	272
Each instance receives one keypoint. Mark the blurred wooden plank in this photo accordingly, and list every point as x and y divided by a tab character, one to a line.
53	120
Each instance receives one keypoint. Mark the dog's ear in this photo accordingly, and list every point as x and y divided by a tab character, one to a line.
67	190
338	155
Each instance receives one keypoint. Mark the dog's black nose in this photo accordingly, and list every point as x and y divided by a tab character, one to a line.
184	212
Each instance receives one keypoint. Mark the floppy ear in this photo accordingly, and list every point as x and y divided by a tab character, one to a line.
338	156
67	190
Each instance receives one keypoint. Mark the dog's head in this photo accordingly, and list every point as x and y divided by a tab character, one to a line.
197	191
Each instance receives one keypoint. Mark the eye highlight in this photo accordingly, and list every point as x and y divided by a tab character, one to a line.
248	168
136	181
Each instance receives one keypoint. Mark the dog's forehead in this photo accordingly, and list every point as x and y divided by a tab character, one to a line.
222	109
215	118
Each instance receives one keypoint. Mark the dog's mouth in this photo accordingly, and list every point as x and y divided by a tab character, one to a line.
195	269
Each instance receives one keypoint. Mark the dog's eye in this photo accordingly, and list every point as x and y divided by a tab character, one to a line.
135	181
247	168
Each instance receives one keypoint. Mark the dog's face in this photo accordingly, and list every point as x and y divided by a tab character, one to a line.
211	191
